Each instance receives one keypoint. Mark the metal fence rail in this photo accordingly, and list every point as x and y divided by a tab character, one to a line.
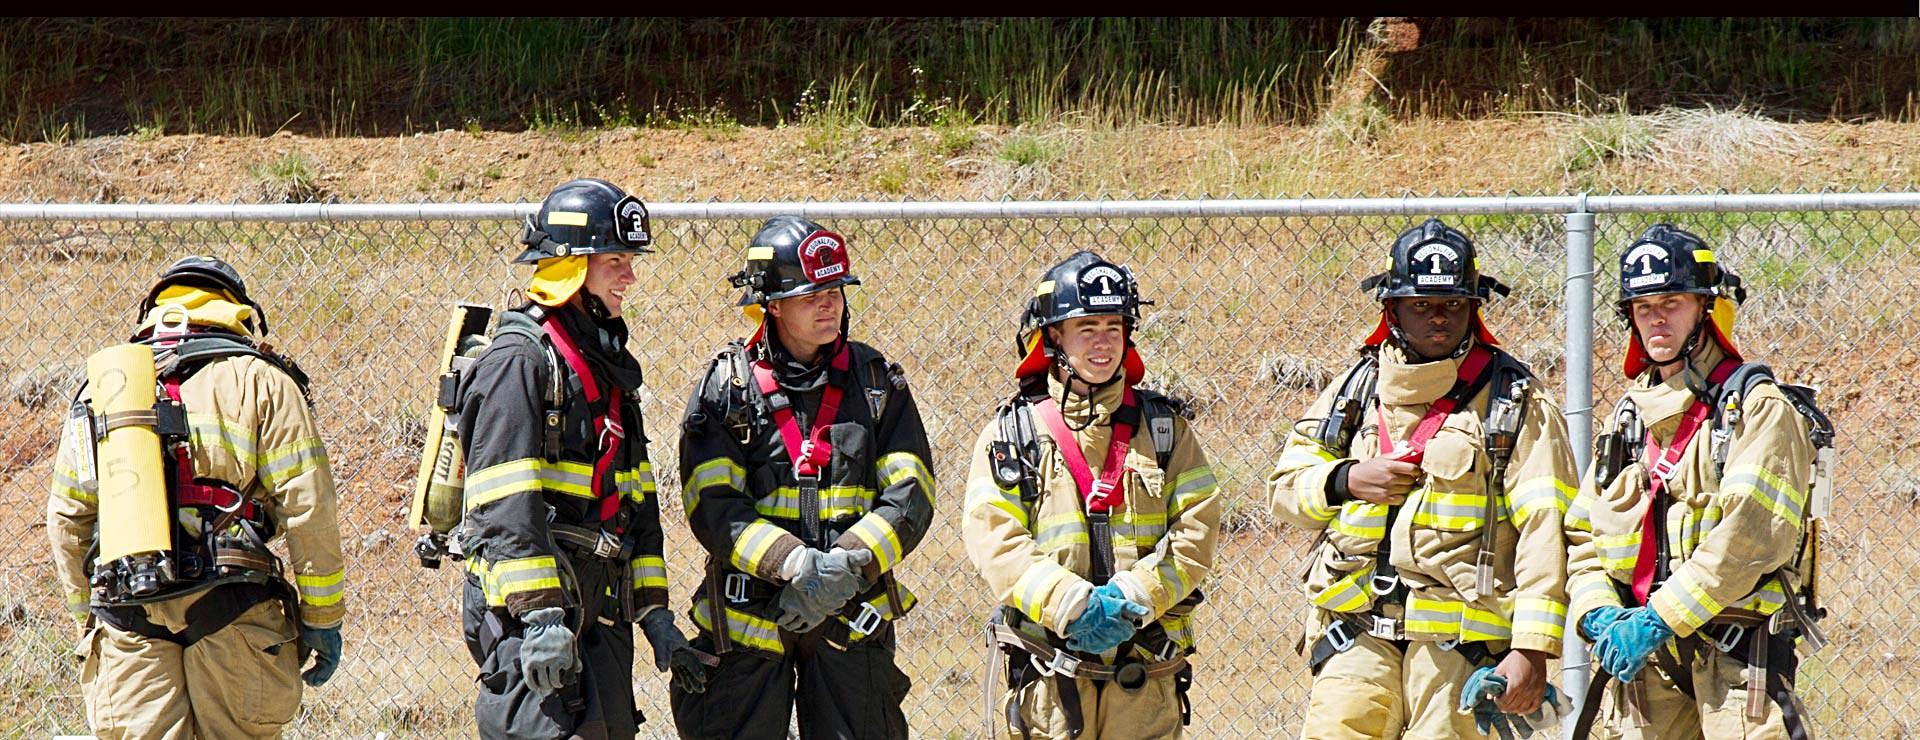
1257	302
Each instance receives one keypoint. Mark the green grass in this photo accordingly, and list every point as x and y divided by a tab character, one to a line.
72	78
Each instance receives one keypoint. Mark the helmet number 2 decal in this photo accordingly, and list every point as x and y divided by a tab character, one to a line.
823	256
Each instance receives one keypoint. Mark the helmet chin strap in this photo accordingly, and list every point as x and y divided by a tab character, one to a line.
595	307
1406	345
1066	386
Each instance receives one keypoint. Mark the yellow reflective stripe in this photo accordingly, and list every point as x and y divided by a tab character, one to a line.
1361	520
752	545
79	603
1617	551
1773	492
985	492
496	482
1579	515
1030	592
1349	594
898	466
1173	577
1539	616
719	471
1179	630
211	430
478	568
1769	598
1141	529
1682	596
745	629
1192	487
835	502
67	483
636	483
322	590
568	477
878	535
519	575
289	461
1593	593
1456	619
1054	531
1539	494
1304	452
1448	510
650	571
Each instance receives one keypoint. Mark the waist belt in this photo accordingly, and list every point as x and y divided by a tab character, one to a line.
1051	661
213	612
1345	629
598	543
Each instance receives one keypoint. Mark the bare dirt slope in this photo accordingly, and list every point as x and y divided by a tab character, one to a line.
1547	153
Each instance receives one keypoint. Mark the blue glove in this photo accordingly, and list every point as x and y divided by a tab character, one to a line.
1478	694
1107	621
548	660
1623	649
325	644
1594	623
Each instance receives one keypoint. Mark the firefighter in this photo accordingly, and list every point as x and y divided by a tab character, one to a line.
1436	472
1091	513
187	452
1686	540
807	480
561	533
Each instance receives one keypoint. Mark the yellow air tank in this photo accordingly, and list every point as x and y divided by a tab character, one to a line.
134	519
441	480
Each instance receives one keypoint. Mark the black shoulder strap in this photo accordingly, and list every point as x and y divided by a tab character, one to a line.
1016	454
1158	411
1349	406
200	348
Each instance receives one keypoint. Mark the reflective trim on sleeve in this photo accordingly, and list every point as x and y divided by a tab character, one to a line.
719	471
1682	596
213	431
1348	594
1617	552
1593	593
322	590
1539	616
894	467
755	540
1192	487
496	482
1060	530
1031	591
67	483
510	577
649	571
289	461
878	535
985	492
1539	494
1773	492
1361	520
635	484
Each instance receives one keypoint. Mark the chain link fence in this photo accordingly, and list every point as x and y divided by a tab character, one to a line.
1256	307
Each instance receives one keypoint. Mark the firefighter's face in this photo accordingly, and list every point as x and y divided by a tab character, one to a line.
1435	326
1094	345
811	320
1665	321
608	278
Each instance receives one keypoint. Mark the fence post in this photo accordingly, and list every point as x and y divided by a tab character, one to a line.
1579	413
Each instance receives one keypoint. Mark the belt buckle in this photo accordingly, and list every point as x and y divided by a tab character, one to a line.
736	588
606	546
1391	582
1730	637
1385	628
1062	664
1101	493
1338	637
1662	469
868	621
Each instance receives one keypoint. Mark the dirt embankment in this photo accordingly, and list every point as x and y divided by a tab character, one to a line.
1703	152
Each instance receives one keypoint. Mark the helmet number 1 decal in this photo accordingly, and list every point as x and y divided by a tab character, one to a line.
1106	295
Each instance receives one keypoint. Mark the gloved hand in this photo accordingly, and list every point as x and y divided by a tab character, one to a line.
821	585
671	650
1480	695
1109	619
547	655
1594	623
1623	649
325	645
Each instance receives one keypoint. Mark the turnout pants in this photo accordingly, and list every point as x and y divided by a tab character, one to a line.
1378	690
242	681
842	691
598	704
1717	708
1107	710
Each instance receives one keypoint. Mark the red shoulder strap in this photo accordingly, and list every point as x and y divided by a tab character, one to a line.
608	431
809	453
1098	494
1475	363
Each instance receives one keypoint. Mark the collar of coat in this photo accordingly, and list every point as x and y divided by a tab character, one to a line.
1405	383
1660	401
1078	408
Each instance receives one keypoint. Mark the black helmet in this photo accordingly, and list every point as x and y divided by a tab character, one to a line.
1081	285
204	272
1669	260
586	216
789	257
1432	259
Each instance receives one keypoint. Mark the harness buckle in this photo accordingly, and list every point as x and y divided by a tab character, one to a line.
736	588
1338	636
1101	493
1382	585
1448	644
1662	469
606	546
1168	652
238	500
869	620
1062	664
1385	628
1730	637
